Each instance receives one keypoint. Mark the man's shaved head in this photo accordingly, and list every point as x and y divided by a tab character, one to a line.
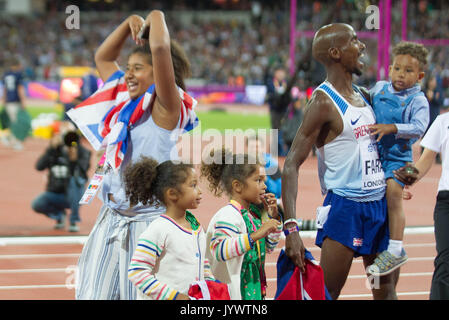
330	36
337	45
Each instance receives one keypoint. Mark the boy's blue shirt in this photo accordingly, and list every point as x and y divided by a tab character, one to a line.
417	110
408	110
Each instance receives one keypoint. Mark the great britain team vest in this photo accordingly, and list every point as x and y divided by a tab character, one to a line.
350	165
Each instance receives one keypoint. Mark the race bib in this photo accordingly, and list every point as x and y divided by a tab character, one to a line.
373	176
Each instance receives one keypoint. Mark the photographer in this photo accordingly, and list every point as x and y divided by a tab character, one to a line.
67	163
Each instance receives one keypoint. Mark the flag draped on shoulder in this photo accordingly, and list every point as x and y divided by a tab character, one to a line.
106	117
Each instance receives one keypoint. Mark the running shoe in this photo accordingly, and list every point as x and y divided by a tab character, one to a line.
386	263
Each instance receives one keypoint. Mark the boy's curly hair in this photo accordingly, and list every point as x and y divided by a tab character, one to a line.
146	180
416	50
228	168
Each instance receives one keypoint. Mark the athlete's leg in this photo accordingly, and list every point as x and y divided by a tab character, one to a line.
336	260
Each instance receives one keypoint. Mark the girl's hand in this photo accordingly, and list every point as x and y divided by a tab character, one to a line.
268	227
135	23
270	204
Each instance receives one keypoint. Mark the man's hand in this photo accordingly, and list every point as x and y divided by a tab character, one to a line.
407	174
294	249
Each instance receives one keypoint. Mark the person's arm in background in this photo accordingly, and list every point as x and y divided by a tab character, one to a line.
50	155
79	160
431	143
425	162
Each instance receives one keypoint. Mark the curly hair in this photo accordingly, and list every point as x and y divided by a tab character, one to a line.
181	63
416	50
226	168
146	180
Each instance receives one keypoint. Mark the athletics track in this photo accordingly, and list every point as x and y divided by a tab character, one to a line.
37	262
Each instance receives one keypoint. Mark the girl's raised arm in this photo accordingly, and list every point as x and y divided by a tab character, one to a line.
107	54
166	111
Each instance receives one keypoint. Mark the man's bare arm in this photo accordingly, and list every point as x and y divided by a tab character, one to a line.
318	115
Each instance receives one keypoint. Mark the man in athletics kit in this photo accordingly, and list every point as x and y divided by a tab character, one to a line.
353	220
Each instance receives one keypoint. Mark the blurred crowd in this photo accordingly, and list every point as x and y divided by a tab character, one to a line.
221	50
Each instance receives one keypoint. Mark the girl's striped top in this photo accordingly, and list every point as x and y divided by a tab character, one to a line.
228	240
168	259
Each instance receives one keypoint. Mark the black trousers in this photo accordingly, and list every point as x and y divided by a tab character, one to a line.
440	280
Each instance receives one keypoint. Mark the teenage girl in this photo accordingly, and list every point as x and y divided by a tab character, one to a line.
103	264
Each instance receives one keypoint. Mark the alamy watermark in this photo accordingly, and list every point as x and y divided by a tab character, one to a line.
196	148
373	20
72	278
72	22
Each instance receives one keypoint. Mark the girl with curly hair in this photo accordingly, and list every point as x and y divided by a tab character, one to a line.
170	253
239	234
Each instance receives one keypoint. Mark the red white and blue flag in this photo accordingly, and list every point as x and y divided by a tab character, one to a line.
106	116
292	284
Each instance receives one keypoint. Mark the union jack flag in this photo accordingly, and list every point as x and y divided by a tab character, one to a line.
292	284
106	116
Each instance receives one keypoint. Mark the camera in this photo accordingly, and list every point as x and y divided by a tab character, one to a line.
71	139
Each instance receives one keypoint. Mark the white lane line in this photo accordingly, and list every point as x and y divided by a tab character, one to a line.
4	241
43	286
410	274
50	270
359	260
369	295
40	256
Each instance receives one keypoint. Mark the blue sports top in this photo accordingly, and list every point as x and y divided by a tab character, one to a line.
408	110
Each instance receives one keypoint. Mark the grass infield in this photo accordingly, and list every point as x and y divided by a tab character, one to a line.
214	119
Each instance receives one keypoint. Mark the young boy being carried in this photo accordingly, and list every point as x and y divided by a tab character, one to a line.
402	116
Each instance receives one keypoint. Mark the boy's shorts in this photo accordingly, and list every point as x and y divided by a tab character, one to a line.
360	226
389	166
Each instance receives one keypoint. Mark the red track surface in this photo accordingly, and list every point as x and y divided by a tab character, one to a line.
43	271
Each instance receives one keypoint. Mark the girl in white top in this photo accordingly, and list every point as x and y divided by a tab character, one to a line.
170	253
239	235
